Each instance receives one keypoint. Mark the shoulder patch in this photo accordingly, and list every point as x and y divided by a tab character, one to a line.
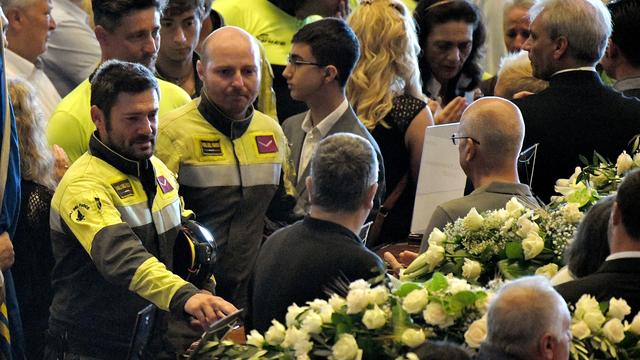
165	185
123	188
211	148
266	144
77	214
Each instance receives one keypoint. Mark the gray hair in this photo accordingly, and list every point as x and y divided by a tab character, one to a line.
585	23
343	168
523	311
8	4
516	75
512	4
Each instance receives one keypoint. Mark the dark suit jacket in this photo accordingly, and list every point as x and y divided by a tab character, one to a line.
348	123
576	115
618	278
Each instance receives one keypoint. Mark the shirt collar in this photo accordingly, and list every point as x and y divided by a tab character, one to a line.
627	84
327	123
623	255
22	65
231	128
130	167
582	68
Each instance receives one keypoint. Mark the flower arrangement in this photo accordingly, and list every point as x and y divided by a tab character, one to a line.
511	242
599	178
369	323
600	331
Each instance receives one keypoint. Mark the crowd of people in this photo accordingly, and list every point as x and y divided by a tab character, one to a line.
282	127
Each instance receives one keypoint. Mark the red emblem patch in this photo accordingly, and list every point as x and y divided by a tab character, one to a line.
266	144
165	185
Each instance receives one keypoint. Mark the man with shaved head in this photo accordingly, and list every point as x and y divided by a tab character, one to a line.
229	157
489	140
527	320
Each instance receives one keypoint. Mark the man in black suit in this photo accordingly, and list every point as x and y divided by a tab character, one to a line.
321	60
619	275
621	61
577	114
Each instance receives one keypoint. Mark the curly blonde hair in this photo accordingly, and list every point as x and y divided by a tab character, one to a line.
388	64
36	159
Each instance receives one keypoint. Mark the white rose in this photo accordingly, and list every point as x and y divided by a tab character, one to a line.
275	334
636	159
357	300
613	330
456	284
618	308
317	304
293	311
471	269
255	339
378	295
624	163
571	212
586	303
415	301
374	318
346	348
473	220
437	237
359	284
434	314
599	179
514	207
506	227
413	337
503	215
634	327
412	356
580	330
476	333
305	356
434	256
532	245
594	319
325	313
302	349
312	323
549	270
293	336
337	302
526	226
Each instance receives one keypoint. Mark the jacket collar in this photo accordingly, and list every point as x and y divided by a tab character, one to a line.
130	167
231	128
575	78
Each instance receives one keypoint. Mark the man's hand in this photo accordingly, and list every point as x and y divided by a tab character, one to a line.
406	257
61	162
6	251
207	308
452	112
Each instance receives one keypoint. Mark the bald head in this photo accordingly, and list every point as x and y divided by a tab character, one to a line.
524	311
497	125
229	38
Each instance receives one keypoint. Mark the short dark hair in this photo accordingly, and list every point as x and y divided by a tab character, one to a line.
590	245
625	16
343	168
429	13
179	7
628	202
109	13
114	77
332	42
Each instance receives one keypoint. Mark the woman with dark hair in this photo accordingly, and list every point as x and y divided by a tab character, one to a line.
451	35
590	246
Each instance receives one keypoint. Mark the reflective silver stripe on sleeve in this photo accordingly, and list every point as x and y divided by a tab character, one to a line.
135	215
228	175
55	221
167	218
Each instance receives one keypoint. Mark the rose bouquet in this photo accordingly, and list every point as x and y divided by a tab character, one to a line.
369	323
511	242
600	331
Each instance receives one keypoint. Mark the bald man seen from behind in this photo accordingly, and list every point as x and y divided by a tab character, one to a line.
229	157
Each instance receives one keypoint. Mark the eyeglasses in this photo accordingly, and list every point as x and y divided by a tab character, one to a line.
455	138
297	62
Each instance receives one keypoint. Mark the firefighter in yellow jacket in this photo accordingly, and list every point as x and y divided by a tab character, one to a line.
229	157
114	221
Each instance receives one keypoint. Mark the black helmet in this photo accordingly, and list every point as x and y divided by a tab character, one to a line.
194	253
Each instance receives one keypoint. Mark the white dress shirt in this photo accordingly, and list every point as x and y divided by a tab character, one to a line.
623	255
46	93
317	133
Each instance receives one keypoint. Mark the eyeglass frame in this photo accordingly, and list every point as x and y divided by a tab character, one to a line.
295	62
455	137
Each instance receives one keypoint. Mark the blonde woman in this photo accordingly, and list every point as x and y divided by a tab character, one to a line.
385	91
32	246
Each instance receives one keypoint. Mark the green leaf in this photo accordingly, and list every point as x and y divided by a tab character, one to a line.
466	297
582	197
406	288
513	270
514	250
583	159
437	282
